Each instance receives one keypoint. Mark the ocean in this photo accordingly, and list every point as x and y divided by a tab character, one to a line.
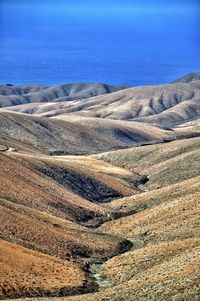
52	44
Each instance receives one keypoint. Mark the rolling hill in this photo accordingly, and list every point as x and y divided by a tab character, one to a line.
165	105
15	95
73	136
165	164
164	261
49	206
100	190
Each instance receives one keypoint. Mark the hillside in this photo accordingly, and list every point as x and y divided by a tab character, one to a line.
188	78
49	205
164	262
162	225
36	273
170	217
165	105
164	164
15	95
73	136
99	197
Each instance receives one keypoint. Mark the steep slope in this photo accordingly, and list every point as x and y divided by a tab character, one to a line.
52	235
15	95
135	264
166	233
164	263
44	192
35	273
45	204
165	219
64	187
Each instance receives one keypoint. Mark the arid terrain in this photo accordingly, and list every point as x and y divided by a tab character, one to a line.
100	190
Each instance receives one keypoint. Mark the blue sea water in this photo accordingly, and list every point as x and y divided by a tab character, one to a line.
56	42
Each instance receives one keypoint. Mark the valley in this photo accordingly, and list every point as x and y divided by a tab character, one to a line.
100	189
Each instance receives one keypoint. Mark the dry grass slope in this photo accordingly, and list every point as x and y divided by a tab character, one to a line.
164	164
73	136
165	272
60	214
45	213
165	220
28	273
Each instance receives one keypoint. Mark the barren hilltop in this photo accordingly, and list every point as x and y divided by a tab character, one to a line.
100	189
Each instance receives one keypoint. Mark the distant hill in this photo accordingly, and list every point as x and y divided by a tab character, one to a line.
165	105
188	78
15	95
